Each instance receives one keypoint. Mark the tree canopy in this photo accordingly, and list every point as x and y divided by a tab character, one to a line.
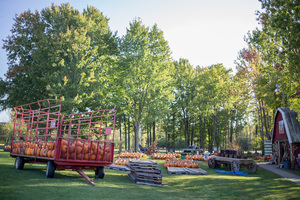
74	56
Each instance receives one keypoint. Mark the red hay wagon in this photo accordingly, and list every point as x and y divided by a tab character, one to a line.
81	141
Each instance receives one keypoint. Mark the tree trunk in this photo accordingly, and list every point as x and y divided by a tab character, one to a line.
256	129
186	130
231	130
150	127
137	135
209	136
173	132
262	130
192	135
128	133
265	121
215	127
203	134
154	131
236	131
120	127
125	132
168	142
148	135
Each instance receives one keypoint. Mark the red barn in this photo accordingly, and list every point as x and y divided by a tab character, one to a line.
286	136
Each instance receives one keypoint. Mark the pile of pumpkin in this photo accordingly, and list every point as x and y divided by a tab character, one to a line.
165	155
265	158
123	161
180	163
84	151
194	157
7	148
41	149
132	155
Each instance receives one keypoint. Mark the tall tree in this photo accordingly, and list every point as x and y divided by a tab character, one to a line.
144	69
59	53
214	90
183	76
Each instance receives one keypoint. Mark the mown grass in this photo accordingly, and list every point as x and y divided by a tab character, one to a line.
31	183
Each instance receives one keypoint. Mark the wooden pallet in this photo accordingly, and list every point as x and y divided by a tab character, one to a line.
118	167
145	181
185	170
145	172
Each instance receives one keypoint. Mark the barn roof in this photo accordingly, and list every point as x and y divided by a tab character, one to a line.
291	124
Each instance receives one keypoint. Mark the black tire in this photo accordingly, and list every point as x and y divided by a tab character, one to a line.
211	163
253	168
99	172
19	163
235	165
50	170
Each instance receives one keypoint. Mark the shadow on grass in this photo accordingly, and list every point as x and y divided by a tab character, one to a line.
31	183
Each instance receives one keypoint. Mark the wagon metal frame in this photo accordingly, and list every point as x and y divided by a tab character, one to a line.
233	164
81	141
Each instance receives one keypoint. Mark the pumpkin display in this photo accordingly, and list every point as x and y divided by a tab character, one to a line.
165	155
132	155
180	163
123	161
69	150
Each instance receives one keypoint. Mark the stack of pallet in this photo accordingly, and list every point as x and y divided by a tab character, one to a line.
145	172
185	170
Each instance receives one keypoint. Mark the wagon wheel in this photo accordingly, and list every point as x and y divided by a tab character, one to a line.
99	172
235	165
253	168
211	163
19	163
50	170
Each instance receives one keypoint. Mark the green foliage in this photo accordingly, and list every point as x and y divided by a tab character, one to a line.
143	72
59	53
278	46
73	56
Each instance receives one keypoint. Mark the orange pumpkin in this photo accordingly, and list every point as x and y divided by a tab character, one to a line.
52	154
86	156
49	153
31	151
78	156
78	149
93	157
101	152
72	155
51	146
64	148
45	153
99	157
78	143
71	148
63	155
107	156
64	142
86	149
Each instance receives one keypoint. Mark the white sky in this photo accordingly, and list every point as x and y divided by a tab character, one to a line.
205	32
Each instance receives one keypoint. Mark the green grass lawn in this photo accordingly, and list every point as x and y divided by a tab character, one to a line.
31	183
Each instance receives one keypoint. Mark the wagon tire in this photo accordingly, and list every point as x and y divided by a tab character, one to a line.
99	172
211	163
253	168
50	170
235	165
19	163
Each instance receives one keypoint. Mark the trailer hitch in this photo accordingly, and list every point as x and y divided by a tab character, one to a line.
79	171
